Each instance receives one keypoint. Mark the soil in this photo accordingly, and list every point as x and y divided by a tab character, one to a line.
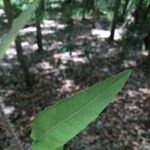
66	67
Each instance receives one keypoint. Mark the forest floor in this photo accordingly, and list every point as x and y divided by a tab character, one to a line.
125	125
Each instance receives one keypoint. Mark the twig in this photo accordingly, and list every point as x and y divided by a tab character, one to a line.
9	129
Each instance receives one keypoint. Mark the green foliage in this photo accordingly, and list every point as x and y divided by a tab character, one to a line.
71	9
57	124
60	148
18	24
106	5
19	6
1	3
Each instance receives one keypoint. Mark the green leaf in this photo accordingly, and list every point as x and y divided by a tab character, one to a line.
57	124
18	24
60	148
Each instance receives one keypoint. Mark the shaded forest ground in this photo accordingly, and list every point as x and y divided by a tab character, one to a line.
125	125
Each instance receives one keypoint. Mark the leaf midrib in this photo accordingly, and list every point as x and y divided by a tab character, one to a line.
80	109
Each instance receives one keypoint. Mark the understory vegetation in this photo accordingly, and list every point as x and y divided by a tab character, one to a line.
59	69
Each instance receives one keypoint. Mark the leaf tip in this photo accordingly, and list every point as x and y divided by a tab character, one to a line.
128	72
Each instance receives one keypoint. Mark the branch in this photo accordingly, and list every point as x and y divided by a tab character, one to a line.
9	131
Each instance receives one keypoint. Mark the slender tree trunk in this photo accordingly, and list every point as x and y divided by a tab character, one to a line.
115	18
68	1
21	59
9	131
94	12
8	11
70	26
147	45
138	12
39	34
84	9
147	41
39	16
146	13
19	49
124	12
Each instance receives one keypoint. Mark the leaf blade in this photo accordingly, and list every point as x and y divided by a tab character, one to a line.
17	24
72	115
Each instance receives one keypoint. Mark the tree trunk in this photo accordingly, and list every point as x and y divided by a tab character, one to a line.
147	41
68	1
84	9
124	12
115	18
23	64
146	13
8	11
39	16
19	49
94	12
138	12
9	131
39	34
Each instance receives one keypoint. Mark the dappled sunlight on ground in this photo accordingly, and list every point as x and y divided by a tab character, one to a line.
53	24
75	57
27	30
29	48
44	65
7	109
6	65
104	34
59	72
130	63
145	91
47	32
68	86
101	33
11	53
1	12
144	53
